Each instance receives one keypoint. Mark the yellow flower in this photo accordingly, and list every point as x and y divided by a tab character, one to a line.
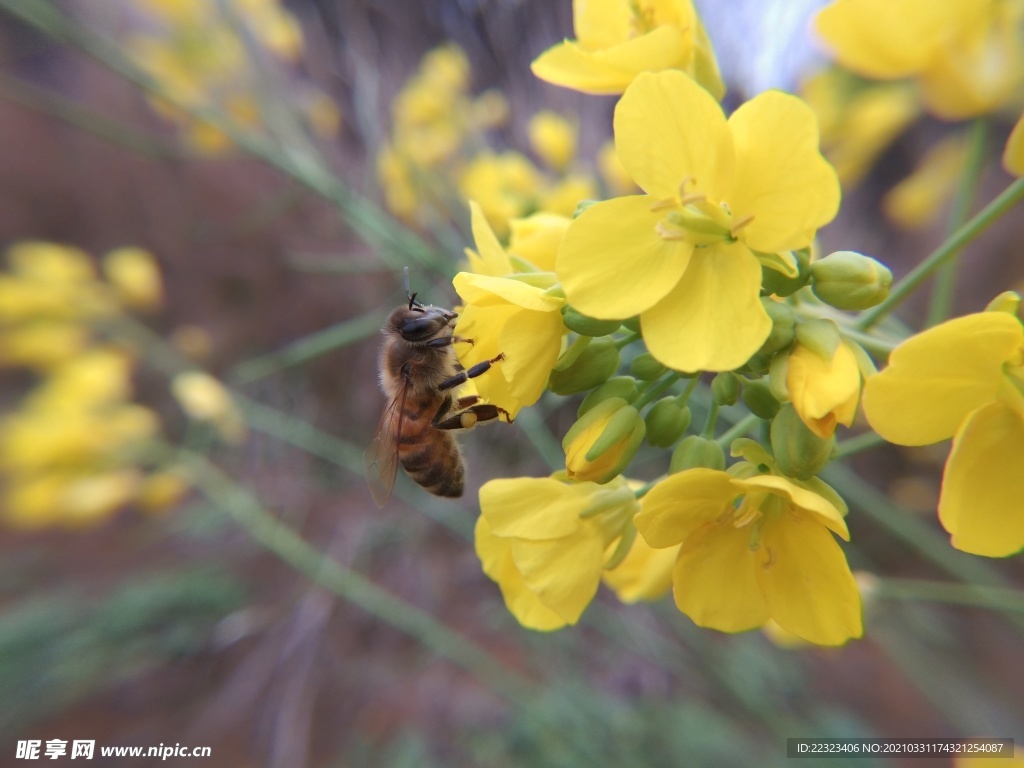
683	256
205	399
135	277
858	121
963	379
619	39
508	317
600	445
537	238
489	258
964	54
553	138
771	557
1013	154
506	186
644	574
564	196
824	392
913	202
545	541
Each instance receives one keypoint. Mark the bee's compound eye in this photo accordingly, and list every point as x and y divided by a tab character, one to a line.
418	328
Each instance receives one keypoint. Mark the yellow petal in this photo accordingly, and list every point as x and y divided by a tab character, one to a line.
496	557
668	128
490	258
682	503
564	573
530	342
610	70
1013	155
983	486
485	290
484	325
816	507
782	180
713	320
537	238
935	379
714	581
886	39
613	264
644	574
824	392
601	23
807	582
533	507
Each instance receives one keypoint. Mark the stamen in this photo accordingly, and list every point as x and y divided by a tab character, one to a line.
661	205
668	232
682	185
693	197
738	225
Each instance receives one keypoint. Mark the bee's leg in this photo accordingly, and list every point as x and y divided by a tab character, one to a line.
469	416
447	341
462	376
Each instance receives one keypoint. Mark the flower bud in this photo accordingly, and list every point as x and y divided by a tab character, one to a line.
587	326
623	387
758	397
603	441
646	368
582	205
849	280
798	452
779	284
666	422
697	451
725	388
819	336
783	326
594	365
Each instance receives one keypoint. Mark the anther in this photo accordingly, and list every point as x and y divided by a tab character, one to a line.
738	225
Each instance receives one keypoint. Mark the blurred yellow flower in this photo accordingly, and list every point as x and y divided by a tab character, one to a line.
963	379
204	398
619	39
613	173
1013	154
771	557
914	202
135	277
858	120
965	55
544	542
684	255
553	138
536	239
505	185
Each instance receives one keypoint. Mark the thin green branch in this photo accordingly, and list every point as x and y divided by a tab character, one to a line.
974	595
739	429
968	232
941	302
857	443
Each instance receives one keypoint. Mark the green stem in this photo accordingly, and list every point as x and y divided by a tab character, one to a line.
709	425
739	429
976	596
858	443
945	281
968	232
656	388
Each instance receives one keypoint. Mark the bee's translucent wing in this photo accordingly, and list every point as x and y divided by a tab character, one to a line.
381	458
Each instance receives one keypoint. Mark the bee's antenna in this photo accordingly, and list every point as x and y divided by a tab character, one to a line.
411	296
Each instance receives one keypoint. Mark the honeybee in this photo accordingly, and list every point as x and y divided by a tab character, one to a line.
418	369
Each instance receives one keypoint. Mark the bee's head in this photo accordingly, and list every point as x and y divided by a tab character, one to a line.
418	323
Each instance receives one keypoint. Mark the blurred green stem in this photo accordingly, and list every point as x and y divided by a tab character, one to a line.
976	596
941	303
978	224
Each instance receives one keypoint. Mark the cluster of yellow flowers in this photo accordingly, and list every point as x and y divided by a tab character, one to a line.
195	51
69	453
439	153
76	449
712	267
958	60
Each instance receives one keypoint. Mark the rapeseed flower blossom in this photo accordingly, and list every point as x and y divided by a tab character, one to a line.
965	55
685	255
913	203
824	390
772	555
546	543
645	573
963	379
619	39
